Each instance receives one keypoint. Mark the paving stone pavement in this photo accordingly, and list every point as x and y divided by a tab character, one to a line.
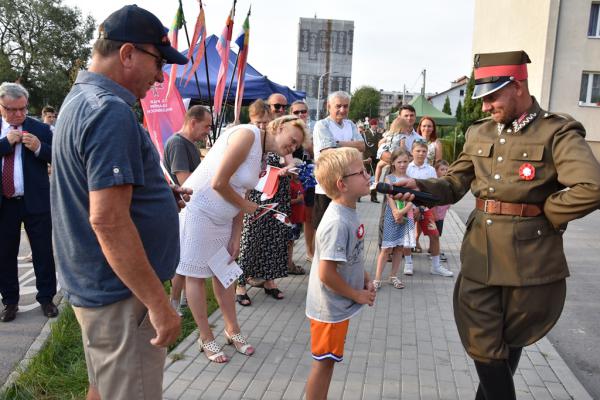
406	346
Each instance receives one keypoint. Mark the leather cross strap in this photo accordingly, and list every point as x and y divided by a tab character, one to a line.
502	208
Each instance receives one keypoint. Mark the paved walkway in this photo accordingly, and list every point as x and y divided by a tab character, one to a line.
406	346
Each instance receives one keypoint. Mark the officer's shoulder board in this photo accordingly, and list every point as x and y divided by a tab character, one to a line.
563	116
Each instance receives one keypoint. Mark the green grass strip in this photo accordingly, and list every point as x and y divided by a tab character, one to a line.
58	370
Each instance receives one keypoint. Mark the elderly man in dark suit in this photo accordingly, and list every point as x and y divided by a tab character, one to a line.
25	200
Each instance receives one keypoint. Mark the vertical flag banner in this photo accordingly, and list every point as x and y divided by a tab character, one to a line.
199	33
163	113
242	42
173	33
223	50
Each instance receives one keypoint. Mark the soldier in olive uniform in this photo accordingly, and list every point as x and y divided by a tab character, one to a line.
372	138
531	172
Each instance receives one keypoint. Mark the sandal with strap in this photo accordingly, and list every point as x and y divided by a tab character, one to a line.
214	348
376	285
396	282
243	299
274	293
296	270
237	339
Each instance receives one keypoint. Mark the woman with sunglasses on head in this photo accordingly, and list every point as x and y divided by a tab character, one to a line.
300	109
213	218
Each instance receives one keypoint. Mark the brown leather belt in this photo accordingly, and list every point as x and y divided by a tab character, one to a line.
502	208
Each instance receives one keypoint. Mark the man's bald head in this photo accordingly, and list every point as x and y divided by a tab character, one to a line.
278	104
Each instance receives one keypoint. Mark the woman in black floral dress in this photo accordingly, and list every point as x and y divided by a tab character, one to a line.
263	249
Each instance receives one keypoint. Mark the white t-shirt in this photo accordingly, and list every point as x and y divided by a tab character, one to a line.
424	171
327	133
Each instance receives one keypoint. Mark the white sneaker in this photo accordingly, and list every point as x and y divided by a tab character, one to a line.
441	271
408	269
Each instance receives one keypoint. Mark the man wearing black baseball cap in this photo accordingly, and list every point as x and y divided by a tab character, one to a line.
117	234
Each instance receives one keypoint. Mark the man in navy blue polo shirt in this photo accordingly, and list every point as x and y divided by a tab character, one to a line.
116	231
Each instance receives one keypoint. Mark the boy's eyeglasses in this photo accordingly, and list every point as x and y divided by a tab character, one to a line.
362	172
298	112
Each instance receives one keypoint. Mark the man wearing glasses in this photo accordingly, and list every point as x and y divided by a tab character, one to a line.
116	231
278	105
24	199
331	132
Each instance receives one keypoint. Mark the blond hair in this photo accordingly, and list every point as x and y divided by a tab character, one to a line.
258	109
296	122
332	165
399	125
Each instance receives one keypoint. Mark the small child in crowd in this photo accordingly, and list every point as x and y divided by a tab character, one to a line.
297	219
419	169
338	285
439	212
398	225
392	140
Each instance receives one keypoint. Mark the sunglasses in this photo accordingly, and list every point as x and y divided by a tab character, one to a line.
160	62
278	106
298	112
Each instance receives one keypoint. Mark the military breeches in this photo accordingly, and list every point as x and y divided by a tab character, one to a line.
490	319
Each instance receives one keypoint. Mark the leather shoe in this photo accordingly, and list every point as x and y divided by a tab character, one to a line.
9	313
49	310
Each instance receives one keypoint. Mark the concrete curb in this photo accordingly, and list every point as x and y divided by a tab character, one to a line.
558	365
35	347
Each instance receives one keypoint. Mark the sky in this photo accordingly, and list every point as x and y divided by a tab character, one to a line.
394	40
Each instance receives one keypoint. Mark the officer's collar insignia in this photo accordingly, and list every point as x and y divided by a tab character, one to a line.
523	121
500	128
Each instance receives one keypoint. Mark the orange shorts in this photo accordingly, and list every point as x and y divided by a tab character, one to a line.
427	223
327	339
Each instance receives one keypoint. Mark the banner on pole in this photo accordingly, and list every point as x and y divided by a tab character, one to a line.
163	113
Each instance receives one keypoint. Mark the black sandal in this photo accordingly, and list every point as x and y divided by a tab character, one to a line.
296	270
243	297
274	293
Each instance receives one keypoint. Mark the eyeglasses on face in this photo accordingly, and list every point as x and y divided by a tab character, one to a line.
362	172
298	112
11	110
160	62
278	106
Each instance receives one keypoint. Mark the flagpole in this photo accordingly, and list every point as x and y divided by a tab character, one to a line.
187	36
228	91
221	116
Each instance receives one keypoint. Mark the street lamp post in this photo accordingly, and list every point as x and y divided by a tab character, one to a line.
319	91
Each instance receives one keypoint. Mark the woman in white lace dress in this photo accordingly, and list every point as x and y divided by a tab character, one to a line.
213	217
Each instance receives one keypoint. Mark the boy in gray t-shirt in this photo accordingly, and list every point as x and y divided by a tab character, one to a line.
338	285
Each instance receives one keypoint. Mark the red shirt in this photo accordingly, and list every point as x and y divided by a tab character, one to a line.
296	189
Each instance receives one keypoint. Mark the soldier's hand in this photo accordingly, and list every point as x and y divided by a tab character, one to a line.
31	141
167	324
14	136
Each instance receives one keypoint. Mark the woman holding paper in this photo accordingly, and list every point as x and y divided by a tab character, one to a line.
212	219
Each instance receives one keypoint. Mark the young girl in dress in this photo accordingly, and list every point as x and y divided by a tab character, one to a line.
398	224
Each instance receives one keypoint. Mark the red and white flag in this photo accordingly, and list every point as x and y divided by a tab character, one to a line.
268	182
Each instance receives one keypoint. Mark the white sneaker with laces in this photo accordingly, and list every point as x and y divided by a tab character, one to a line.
408	269
439	270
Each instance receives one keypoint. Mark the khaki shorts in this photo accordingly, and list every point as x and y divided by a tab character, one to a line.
491	319
120	360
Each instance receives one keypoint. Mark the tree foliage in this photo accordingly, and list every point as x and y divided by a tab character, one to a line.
446	109
459	111
471	110
43	44
365	103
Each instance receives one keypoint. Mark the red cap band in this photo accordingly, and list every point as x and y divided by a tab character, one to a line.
519	72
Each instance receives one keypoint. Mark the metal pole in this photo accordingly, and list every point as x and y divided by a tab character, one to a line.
319	93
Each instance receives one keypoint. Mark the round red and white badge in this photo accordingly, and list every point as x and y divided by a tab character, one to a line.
360	233
527	172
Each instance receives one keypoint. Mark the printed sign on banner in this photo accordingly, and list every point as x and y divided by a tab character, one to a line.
163	115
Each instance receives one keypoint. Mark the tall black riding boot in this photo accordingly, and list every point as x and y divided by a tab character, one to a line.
514	355
495	381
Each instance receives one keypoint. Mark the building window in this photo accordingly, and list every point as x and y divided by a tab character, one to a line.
589	93
594	27
462	92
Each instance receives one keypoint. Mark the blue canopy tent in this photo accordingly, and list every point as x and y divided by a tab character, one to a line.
257	86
